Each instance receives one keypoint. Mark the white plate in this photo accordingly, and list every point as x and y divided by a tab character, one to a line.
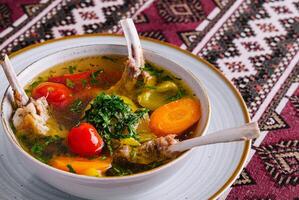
210	171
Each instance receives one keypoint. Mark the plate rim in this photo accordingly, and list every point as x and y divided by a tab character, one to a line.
246	115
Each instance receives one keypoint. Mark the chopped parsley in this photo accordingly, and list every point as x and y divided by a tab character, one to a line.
120	168
133	153
166	78
154	164
33	85
152	70
177	78
70	83
117	170
71	169
113	118
72	69
39	147
169	78
52	71
84	83
103	157
12	126
181	93
76	106
94	76
109	58
150	87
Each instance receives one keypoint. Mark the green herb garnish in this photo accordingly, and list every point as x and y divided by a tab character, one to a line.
70	83
12	126
33	85
113	118
166	78
109	58
154	164
181	93
151	70
76	106
72	69
150	87
52	71
139	83
39	147
84	83
177	78
117	170
120	168
94	75
103	157
169	78
133	153
71	169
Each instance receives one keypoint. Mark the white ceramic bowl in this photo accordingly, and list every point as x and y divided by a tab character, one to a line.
106	187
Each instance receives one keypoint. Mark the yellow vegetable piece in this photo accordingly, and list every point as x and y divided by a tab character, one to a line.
167	86
144	131
150	81
92	172
129	141
79	164
56	129
143	125
146	136
129	102
154	98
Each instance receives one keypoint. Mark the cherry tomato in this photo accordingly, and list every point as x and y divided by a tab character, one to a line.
57	94
85	140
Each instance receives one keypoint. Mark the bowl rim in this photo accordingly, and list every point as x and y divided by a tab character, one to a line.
246	115
9	133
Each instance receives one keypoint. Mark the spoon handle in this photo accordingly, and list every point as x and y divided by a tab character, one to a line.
246	132
20	95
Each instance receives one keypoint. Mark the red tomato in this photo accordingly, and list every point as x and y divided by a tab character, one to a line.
81	80
76	78
57	94
84	140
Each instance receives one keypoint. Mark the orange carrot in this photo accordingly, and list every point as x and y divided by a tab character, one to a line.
175	117
80	165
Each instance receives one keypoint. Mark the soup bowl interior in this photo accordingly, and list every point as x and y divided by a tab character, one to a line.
107	187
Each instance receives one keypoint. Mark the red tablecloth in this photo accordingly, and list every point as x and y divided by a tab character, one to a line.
255	43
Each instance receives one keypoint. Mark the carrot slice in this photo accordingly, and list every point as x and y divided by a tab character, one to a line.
175	117
80	165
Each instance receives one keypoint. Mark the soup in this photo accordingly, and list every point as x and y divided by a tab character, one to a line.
96	126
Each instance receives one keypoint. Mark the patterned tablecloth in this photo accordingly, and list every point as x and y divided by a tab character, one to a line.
255	43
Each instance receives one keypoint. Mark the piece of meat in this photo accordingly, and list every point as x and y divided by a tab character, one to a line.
32	117
148	152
